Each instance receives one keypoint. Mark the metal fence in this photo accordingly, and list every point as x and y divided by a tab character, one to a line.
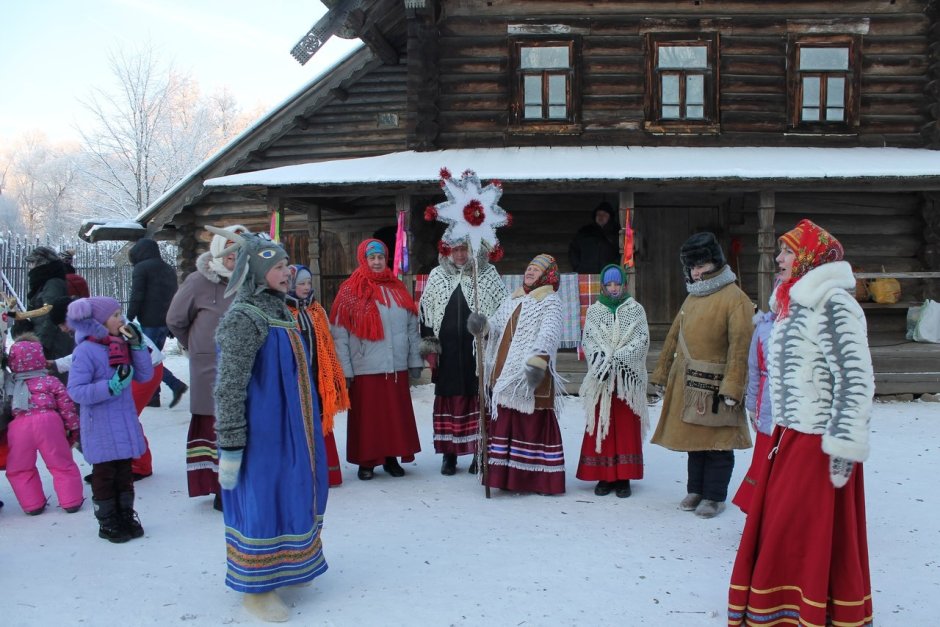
104	265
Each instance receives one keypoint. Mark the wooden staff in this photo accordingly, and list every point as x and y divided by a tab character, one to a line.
481	385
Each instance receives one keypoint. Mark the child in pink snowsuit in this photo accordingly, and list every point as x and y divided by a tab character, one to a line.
44	420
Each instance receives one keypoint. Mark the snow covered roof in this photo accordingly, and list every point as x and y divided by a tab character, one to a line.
605	163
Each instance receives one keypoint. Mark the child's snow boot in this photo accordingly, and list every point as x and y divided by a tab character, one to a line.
267	606
109	521
128	516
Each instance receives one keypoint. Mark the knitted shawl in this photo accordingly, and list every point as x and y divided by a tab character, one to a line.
447	277
355	307
537	332
616	345
331	384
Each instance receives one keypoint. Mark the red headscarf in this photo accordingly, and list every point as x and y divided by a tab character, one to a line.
813	246
355	306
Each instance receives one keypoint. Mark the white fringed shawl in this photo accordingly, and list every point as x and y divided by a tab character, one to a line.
445	278
615	345
537	333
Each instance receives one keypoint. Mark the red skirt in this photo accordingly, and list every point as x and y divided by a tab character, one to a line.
803	558
525	452
762	445
621	455
202	456
142	393
381	420
332	460
456	424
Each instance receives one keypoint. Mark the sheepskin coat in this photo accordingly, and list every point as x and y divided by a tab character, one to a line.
821	377
717	328
192	318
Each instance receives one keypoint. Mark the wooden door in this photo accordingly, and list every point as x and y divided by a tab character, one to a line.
660	283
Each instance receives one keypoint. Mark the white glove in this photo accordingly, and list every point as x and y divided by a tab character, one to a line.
230	462
840	469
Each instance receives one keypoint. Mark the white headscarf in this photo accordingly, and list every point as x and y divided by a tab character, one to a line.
217	245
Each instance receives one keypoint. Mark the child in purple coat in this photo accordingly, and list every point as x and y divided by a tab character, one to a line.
108	355
43	415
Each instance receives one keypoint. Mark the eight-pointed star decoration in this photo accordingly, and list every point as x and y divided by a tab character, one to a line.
471	212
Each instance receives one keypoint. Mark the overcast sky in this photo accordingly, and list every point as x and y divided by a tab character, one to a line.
53	52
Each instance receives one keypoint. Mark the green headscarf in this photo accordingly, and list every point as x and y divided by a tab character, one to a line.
615	273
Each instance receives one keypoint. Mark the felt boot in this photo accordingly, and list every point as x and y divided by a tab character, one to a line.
109	521
622	488
392	467
690	502
267	606
128	516
709	509
449	465
602	488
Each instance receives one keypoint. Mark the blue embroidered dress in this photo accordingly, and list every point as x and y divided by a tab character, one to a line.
274	515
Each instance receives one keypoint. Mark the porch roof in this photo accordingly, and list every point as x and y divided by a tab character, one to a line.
614	165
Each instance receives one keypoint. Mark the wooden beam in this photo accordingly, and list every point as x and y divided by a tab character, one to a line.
379	45
314	225
766	247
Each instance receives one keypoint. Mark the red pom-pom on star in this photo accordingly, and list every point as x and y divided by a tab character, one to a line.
508	219
445	173
497	183
430	213
496	253
443	248
473	212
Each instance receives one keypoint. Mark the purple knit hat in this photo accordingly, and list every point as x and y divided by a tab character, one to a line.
88	315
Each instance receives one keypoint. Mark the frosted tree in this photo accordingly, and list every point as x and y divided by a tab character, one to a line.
151	127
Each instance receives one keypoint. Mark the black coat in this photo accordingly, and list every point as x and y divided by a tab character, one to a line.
46	286
456	365
593	248
153	284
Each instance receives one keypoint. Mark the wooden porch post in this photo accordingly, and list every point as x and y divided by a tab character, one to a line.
625	206
766	248
313	249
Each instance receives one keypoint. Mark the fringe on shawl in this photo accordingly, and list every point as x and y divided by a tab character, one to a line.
614	375
331	383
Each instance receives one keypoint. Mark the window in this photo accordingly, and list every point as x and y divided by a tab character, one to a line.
544	85
681	90
823	84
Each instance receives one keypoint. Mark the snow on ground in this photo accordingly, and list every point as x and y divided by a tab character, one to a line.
431	550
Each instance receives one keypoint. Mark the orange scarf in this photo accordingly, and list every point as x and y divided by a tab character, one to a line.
331	384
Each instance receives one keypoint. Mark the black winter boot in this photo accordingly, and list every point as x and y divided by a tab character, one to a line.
109	521
449	465
128	516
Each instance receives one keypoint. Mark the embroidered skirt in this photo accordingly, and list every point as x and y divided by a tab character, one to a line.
202	456
274	514
456	424
762	445
525	452
621	455
381	420
803	558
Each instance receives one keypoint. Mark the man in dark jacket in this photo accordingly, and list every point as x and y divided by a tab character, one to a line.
153	285
595	245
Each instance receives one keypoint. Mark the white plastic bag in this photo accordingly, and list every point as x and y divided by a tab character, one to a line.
927	328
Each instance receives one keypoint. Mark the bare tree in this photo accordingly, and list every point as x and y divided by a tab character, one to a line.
151	128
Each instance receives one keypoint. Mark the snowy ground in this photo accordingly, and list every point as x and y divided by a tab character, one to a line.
430	550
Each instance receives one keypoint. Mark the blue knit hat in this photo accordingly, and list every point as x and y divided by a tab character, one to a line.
613	274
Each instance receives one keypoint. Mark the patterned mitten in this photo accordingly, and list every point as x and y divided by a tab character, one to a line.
230	462
120	379
840	469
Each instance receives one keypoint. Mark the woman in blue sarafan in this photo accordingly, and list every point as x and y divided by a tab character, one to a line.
272	459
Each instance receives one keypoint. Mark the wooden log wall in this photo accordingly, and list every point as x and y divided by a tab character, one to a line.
474	95
367	117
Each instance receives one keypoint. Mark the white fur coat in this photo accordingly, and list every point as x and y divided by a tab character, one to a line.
821	378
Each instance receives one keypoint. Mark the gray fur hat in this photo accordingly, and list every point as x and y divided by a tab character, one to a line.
256	255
